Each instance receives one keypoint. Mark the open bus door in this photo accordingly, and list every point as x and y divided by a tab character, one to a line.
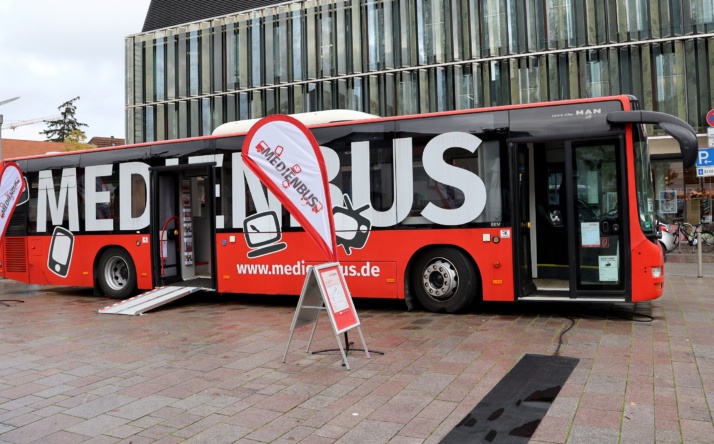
571	220
183	225
523	225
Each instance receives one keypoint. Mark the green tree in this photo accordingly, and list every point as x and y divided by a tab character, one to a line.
58	130
77	141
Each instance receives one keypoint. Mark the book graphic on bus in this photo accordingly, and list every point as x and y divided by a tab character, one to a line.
262	234
354	228
60	256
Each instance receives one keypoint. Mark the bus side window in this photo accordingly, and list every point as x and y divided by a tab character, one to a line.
138	195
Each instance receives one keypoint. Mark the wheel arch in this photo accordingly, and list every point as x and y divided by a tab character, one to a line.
408	291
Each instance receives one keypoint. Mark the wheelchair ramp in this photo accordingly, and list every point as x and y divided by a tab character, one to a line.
148	300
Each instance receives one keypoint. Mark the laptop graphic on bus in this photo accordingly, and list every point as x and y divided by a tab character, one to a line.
262	234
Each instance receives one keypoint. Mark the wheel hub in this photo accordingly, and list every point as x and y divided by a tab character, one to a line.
440	280
116	273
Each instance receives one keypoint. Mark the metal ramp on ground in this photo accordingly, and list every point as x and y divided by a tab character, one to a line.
148	300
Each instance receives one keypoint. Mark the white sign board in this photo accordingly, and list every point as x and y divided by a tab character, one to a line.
705	171
710	136
608	268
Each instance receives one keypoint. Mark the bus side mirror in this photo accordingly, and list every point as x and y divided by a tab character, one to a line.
680	130
683	136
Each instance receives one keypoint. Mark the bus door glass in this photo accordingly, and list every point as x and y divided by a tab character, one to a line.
597	227
524	190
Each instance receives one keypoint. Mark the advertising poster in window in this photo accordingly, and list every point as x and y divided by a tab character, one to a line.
338	299
668	202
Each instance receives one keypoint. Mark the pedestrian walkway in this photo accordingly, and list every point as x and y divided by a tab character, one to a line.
686	263
208	369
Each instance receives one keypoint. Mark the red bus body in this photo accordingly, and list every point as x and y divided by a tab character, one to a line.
536	235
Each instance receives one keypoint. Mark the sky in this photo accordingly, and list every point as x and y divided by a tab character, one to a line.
53	51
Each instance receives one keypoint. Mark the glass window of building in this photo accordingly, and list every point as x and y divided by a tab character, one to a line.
395	57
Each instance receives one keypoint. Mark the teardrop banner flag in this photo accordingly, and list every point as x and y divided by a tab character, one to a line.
11	187
285	156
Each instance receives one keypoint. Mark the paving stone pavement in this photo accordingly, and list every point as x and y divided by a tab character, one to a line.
208	369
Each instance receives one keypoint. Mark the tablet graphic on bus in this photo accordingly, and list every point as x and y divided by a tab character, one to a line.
60	255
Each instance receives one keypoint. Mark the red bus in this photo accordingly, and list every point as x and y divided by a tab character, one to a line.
548	201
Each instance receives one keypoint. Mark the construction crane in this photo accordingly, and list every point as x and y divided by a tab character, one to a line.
12	126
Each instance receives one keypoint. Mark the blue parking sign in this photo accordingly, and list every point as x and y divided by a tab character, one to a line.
705	158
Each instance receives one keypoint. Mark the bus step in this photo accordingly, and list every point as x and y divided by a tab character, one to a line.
148	300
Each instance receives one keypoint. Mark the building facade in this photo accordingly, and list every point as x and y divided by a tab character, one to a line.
197	64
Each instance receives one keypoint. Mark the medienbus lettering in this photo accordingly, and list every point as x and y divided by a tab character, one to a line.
463	200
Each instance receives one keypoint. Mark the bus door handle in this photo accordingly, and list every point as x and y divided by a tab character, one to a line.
609	227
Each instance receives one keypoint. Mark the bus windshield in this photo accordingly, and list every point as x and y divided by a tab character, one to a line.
643	181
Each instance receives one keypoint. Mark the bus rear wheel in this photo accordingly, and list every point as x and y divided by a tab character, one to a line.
116	273
444	280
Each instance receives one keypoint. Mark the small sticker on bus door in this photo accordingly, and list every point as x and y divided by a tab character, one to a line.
608	269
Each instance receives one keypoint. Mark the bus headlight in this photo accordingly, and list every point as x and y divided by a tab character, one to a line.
656	272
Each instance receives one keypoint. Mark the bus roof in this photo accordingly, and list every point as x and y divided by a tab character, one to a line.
312	118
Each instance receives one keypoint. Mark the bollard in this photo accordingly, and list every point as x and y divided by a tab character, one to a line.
699	252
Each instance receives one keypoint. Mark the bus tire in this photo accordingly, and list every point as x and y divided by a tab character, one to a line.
444	279
116	273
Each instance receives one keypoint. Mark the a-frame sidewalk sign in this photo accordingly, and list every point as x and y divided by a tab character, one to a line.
325	289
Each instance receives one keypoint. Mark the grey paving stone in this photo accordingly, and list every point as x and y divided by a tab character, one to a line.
38	430
143	407
99	406
99	425
589	435
219	433
370	432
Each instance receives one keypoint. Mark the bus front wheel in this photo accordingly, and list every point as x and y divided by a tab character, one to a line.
116	273
444	280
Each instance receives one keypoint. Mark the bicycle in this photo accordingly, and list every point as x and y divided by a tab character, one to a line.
688	232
